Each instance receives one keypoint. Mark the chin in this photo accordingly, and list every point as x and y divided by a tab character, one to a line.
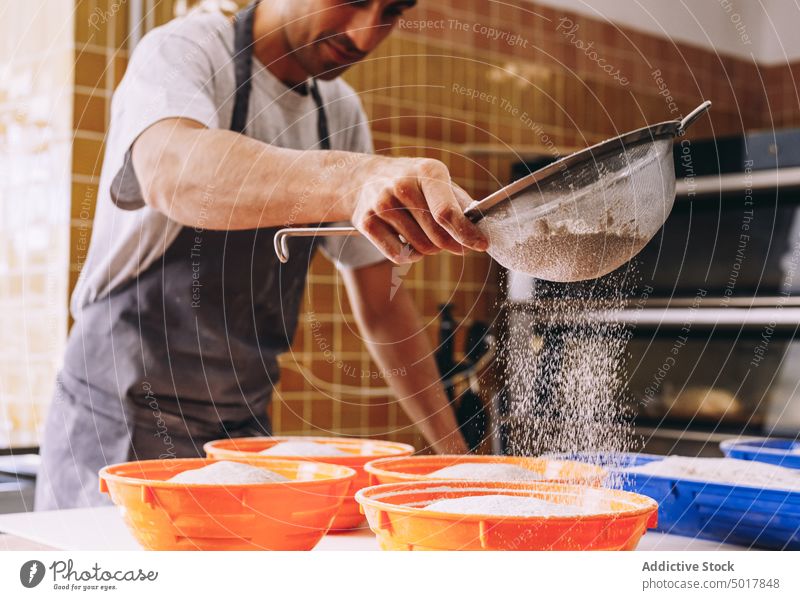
328	72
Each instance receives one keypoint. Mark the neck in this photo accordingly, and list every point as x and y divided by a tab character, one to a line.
272	48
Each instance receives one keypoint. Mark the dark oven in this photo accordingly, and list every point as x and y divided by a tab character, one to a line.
711	314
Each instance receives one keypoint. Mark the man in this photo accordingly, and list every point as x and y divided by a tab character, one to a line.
221	133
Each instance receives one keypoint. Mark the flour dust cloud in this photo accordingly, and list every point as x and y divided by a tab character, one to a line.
565	372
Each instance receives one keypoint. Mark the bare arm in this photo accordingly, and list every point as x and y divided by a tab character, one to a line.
219	179
396	340
237	181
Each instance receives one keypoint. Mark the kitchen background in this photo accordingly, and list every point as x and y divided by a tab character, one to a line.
563	75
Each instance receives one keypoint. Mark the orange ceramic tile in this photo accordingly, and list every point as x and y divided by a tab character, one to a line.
89	112
87	156
84	198
404	116
90	69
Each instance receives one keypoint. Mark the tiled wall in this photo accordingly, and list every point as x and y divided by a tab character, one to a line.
782	108
480	85
101	55
59	63
35	104
549	85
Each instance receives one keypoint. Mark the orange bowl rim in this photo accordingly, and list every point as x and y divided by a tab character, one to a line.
362	496
400	447
107	474
375	467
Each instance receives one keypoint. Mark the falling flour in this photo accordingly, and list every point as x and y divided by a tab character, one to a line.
303	448
565	369
565	373
507	506
723	470
227	473
486	472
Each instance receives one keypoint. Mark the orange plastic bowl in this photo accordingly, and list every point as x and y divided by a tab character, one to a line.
360	451
288	515
396	513
417	468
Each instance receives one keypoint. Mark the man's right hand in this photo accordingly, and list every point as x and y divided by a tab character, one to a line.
414	198
218	179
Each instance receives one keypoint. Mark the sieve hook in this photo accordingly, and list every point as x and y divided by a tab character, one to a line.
282	235
692	116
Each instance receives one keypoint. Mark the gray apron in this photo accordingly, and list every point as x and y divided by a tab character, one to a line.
184	353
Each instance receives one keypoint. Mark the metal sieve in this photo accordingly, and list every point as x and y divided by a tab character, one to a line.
579	217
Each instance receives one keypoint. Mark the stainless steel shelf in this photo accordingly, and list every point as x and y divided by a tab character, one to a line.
707	185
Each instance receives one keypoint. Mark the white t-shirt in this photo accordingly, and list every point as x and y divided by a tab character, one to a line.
184	69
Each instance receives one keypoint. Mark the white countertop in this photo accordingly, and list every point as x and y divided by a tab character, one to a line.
104	529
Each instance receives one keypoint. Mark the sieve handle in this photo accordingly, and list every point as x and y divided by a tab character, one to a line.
693	116
282	236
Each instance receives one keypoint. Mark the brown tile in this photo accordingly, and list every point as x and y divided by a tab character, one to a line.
79	239
291	417
119	13
87	156
90	69
378	413
322	413
292	380
89	27
84	199
89	112
433	129
352	342
350	418
120	64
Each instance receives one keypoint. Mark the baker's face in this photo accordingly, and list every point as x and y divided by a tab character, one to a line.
328	36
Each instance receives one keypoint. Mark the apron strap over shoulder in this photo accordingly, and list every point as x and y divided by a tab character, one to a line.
243	65
243	68
322	119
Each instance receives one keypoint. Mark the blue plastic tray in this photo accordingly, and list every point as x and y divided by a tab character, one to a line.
782	452
733	514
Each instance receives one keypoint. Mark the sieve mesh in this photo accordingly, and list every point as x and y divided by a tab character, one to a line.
578	218
587	219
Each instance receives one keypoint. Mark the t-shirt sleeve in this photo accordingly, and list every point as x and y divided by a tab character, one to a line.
169	76
355	251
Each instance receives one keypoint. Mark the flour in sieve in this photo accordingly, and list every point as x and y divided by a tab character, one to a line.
486	472
564	255
227	473
571	234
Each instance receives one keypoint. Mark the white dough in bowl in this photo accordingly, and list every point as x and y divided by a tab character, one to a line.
486	472
302	448
506	506
227	472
